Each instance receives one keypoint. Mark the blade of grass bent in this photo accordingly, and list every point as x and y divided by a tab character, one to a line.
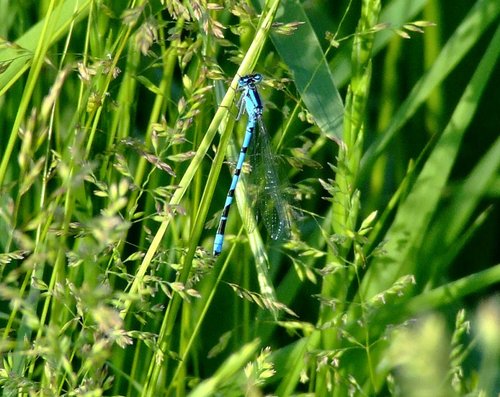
453	291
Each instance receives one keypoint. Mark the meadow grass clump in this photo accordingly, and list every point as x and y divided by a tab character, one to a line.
119	135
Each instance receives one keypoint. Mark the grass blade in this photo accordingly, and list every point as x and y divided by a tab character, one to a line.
410	224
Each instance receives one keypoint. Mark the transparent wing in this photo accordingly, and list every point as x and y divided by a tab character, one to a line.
272	205
240	105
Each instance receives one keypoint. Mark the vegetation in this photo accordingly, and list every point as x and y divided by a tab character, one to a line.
118	135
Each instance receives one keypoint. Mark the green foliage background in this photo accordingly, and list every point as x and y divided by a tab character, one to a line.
117	128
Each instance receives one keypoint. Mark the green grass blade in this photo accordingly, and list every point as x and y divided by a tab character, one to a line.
454	221
414	215
311	73
38	40
454	290
228	369
290	363
463	40
19	58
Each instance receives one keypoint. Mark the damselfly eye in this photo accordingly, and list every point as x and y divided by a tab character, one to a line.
257	77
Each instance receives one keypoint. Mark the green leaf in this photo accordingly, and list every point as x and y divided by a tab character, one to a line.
19	58
310	70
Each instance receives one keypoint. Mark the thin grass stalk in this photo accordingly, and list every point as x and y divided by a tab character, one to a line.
346	205
36	67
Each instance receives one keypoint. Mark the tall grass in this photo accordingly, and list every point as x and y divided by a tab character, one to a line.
118	138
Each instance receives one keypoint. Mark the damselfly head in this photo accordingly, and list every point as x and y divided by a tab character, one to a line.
250	79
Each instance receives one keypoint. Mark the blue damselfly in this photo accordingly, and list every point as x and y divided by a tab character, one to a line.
271	202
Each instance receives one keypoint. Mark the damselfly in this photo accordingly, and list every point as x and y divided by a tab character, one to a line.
272	205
